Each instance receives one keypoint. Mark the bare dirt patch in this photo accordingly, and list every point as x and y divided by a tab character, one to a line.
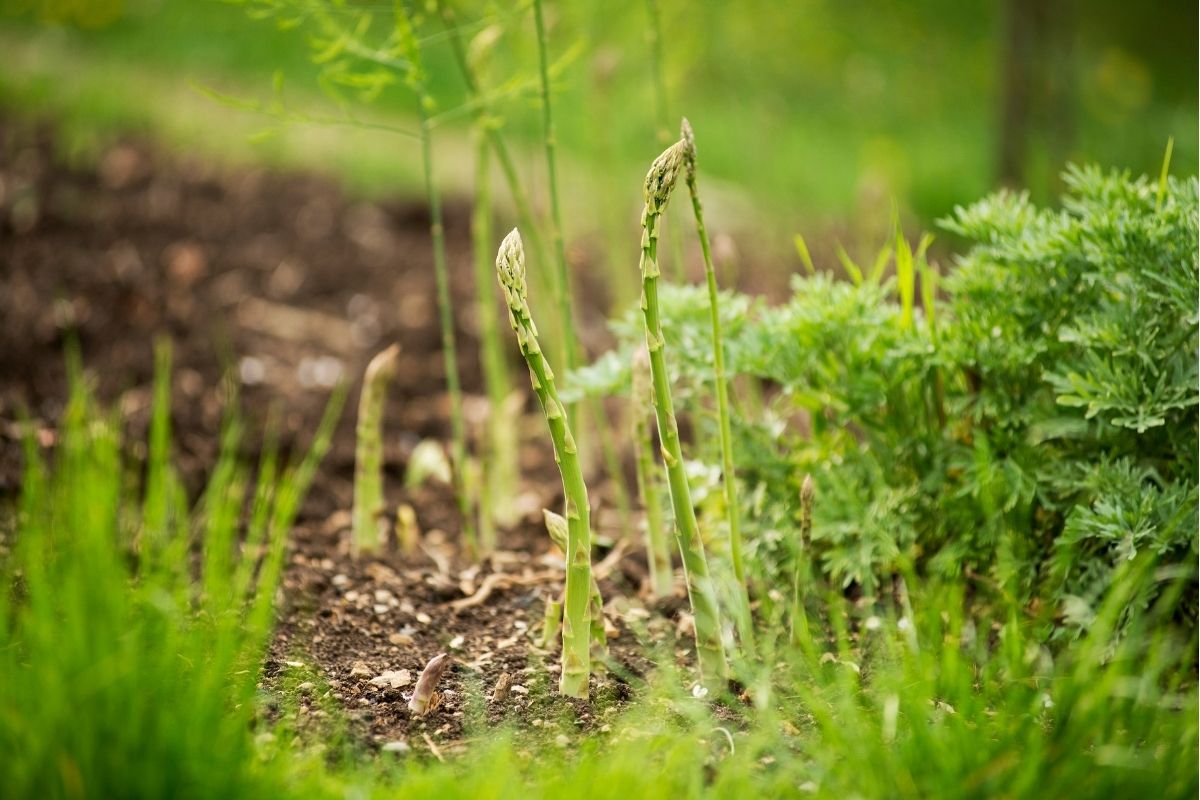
287	285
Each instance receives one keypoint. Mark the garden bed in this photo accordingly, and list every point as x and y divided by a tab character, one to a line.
288	285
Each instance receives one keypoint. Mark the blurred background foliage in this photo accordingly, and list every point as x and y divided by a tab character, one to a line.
810	114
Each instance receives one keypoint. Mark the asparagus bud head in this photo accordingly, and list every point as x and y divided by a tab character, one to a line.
660	180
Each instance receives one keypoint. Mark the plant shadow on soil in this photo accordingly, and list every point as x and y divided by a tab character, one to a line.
285	283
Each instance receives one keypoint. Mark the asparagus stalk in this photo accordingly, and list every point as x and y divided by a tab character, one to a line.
660	181
562	286
501	451
559	532
368	453
416	80
576	658
563	291
658	554
469	60
728	476
802	571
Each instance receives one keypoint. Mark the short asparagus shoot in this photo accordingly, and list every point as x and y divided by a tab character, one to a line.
424	695
710	650
728	475
576	656
658	552
369	528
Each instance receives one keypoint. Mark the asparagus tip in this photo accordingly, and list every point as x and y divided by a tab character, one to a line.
423	694
660	180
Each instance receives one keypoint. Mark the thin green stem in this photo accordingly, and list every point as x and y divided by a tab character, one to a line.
658	554
485	121
662	116
709	647
563	285
416	81
576	658
501	461
728	470
654	35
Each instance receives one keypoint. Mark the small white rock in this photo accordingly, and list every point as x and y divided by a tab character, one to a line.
393	678
398	746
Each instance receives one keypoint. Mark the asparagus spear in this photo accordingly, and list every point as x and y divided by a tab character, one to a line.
576	657
728	476
368	452
711	652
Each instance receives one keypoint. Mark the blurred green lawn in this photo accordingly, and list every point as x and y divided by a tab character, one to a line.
810	109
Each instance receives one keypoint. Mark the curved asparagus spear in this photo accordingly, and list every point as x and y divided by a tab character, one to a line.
711	652
728	476
368	452
576	658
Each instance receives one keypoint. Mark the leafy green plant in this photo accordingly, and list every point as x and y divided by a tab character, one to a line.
1029	427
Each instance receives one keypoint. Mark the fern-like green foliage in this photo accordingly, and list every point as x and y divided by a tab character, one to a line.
1034	430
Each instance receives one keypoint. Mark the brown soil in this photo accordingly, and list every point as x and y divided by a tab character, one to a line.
287	283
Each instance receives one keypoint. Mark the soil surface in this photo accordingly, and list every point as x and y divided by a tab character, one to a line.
289	286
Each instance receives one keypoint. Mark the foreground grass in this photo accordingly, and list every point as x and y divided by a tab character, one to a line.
132	633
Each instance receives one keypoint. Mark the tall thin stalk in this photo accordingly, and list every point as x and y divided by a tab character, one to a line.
658	554
369	519
728	474
485	121
711	652
662	114
576	655
415	78
550	138
501	456
564	293
654	36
